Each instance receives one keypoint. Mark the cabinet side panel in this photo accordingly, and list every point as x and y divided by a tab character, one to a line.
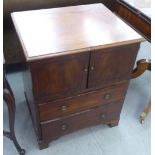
30	99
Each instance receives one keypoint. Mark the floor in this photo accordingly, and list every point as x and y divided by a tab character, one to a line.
129	138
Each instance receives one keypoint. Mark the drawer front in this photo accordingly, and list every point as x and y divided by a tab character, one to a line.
82	102
103	114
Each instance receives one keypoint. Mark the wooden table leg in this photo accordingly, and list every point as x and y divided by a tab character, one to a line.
10	101
142	66
145	112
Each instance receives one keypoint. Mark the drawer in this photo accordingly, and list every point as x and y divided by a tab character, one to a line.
82	102
58	127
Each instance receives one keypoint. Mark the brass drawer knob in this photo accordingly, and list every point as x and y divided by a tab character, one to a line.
64	108
102	116
64	127
91	68
107	96
85	69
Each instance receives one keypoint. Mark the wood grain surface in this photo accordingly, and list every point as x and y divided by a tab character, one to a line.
81	102
68	29
80	60
102	114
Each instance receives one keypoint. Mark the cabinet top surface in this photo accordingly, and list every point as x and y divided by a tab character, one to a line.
59	30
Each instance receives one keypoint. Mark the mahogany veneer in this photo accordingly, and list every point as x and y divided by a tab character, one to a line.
81	102
79	63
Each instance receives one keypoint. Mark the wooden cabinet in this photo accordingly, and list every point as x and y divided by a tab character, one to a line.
68	90
78	66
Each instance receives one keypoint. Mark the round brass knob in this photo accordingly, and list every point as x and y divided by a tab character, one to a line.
85	69
64	127
107	96
102	116
64	108
92	68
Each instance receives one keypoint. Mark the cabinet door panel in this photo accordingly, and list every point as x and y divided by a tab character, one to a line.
60	76
112	65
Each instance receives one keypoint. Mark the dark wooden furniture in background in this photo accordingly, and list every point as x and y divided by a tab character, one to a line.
134	17
142	24
78	67
9	99
142	66
145	112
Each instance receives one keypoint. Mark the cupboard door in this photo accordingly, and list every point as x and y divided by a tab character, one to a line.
60	76
111	65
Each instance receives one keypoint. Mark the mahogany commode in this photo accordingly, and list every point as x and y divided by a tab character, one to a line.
79	62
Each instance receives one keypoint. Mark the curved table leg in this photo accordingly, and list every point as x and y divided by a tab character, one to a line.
142	66
10	101
145	112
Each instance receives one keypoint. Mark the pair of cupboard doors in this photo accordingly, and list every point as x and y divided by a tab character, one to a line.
62	76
